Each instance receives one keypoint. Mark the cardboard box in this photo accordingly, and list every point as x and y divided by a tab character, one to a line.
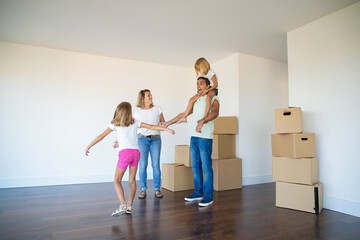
225	125
177	177
227	174
295	170
300	197
293	145
223	146
182	155
288	120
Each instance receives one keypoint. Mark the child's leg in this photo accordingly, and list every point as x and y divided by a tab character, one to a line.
182	116
188	108
119	173
210	95
132	182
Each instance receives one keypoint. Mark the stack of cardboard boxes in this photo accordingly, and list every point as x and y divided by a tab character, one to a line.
295	166
227	168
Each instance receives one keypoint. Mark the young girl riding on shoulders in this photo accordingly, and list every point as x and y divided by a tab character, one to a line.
202	68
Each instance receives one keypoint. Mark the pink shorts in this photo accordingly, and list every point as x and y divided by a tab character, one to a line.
128	157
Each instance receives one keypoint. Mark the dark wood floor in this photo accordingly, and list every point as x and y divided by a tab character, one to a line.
83	212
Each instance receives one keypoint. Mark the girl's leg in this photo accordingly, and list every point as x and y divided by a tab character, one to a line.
210	95
119	173
132	182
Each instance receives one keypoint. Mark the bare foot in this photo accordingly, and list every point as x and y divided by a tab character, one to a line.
164	124
182	120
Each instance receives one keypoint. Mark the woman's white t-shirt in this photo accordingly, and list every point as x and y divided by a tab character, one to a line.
127	136
150	116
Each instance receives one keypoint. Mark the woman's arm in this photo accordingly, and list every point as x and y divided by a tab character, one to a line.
153	127
96	140
162	122
162	119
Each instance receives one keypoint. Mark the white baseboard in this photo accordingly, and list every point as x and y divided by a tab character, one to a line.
341	205
256	180
51	181
61	180
64	180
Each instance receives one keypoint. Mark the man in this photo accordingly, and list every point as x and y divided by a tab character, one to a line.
201	145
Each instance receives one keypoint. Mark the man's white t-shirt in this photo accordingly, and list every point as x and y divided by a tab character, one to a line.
150	116
127	136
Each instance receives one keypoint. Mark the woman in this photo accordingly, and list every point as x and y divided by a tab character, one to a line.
149	141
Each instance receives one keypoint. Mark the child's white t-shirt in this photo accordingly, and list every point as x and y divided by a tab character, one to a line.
209	76
127	136
150	116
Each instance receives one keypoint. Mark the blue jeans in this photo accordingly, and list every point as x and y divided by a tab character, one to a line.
200	150
152	145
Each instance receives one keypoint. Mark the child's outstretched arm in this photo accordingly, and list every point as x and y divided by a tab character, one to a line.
96	140
153	127
214	79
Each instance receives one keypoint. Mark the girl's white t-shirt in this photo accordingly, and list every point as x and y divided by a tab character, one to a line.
150	116
209	76
127	136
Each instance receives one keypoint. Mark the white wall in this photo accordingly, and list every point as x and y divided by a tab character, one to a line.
227	71
251	88
263	86
324	79
53	103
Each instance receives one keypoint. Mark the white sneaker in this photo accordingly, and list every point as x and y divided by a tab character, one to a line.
121	210
193	197
205	202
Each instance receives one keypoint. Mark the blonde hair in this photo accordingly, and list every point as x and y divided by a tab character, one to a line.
141	97
202	66
123	115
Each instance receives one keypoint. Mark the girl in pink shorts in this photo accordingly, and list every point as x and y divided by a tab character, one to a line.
126	129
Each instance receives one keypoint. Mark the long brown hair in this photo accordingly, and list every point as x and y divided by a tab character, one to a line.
123	115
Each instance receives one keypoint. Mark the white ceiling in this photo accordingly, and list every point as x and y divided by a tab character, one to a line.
161	31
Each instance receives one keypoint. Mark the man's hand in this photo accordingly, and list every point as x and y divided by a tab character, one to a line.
116	144
199	126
